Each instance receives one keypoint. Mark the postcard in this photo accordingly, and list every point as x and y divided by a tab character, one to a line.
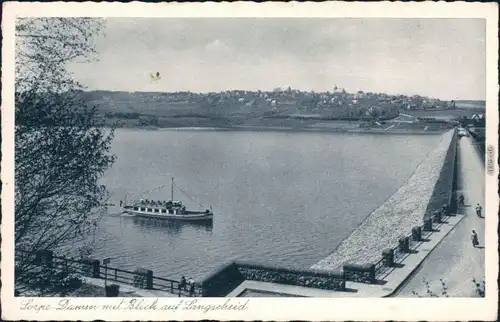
249	161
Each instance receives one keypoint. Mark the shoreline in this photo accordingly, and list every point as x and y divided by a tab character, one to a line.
295	129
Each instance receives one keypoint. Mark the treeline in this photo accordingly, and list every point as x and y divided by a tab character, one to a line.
138	119
123	115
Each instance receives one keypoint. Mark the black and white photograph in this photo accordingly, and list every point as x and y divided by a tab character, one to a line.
191	157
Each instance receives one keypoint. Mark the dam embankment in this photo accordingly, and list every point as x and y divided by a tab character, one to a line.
428	188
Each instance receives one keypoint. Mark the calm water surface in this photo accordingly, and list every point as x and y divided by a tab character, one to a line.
278	198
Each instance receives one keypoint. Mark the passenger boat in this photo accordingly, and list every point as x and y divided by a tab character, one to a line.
171	209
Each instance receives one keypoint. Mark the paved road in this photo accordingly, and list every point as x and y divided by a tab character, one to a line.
455	260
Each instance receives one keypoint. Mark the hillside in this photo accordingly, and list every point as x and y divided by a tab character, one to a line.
184	109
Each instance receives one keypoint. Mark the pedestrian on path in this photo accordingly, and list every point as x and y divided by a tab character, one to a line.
478	210
461	200
475	241
182	284
191	286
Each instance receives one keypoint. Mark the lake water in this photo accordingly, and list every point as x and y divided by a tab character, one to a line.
284	198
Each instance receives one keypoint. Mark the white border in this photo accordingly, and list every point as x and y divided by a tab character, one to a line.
259	308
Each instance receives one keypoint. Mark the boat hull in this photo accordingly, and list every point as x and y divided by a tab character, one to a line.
184	217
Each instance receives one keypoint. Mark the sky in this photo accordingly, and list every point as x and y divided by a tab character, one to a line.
442	58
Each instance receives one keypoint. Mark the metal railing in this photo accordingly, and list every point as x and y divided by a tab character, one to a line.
175	287
413	243
72	265
85	267
380	267
118	275
399	254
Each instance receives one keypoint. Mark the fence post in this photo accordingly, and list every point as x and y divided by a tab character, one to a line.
404	244
371	270
388	257
416	233
149	279
96	268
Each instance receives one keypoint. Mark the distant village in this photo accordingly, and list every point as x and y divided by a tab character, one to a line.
288	102
338	97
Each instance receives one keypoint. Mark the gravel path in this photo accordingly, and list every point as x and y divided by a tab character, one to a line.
393	219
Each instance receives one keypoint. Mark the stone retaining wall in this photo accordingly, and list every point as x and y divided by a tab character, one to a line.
228	277
315	279
397	216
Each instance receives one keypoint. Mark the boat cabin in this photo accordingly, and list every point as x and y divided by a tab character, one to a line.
164	207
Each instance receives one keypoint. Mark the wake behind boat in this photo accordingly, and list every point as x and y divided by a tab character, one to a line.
171	209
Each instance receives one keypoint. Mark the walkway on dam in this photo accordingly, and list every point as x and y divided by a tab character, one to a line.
455	260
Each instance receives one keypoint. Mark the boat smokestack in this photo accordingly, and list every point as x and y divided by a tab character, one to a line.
172	190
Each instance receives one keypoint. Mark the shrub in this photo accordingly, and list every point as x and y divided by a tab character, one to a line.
51	281
480	287
72	281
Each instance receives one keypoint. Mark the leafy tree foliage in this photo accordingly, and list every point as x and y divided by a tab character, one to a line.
61	147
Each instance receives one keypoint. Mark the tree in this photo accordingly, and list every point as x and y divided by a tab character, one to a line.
62	148
148	120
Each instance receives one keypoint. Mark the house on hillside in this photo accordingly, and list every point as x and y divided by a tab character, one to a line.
251	103
479	120
338	90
